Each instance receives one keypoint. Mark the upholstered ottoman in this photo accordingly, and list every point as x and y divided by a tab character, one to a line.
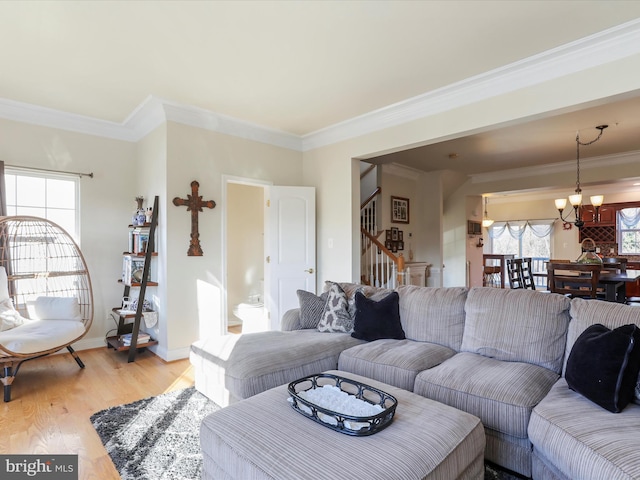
262	437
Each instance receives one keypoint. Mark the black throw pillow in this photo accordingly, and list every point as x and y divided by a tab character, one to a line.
375	320
603	365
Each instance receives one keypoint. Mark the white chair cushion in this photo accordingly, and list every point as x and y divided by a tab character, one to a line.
40	335
57	308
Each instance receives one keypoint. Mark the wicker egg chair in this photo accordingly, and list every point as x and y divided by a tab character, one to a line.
46	299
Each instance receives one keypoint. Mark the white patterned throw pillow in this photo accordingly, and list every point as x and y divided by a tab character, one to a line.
335	317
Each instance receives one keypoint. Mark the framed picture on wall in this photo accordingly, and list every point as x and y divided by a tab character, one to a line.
399	210
394	234
474	228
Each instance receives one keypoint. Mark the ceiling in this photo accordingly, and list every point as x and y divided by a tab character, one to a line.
299	67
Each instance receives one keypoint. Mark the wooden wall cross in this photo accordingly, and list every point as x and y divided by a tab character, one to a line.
194	205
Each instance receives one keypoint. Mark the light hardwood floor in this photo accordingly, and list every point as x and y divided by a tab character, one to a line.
52	400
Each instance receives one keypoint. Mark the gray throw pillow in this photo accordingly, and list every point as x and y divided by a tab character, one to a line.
311	308
335	317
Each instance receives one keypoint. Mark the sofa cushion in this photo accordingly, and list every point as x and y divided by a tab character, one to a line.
252	363
336	316
501	393
583	440
377	319
433	315
395	362
603	365
351	288
517	326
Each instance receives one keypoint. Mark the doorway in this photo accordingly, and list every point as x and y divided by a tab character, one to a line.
245	224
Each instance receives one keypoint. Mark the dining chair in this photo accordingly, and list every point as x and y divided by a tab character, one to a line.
527	273
514	273
574	279
618	264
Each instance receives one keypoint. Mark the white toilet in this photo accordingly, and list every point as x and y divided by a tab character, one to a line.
252	314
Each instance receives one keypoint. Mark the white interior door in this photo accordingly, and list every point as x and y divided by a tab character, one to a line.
290	248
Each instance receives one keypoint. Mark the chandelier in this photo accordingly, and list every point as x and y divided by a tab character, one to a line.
576	199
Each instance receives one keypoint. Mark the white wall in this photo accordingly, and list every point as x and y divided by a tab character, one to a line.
106	201
196	285
245	243
474	253
454	241
396	182
151	180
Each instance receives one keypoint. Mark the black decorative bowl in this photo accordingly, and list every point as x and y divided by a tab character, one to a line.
340	422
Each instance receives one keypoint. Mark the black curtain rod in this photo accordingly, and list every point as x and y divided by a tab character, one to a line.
80	174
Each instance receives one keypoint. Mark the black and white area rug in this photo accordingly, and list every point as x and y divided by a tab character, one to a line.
158	438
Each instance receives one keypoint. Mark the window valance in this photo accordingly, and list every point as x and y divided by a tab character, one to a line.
629	217
516	228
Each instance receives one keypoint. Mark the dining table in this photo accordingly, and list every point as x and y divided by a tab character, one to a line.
614	283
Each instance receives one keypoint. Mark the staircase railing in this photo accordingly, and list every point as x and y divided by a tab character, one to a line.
379	266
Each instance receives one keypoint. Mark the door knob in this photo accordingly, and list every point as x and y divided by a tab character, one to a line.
310	270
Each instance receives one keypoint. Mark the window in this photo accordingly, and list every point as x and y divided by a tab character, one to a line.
524	239
629	231
47	195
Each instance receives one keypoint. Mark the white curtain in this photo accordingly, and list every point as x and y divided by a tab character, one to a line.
629	217
516	228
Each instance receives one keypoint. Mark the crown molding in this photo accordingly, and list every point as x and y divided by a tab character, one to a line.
598	49
147	116
208	120
49	117
402	171
550	169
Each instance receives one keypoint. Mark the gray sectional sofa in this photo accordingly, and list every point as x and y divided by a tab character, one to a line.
497	354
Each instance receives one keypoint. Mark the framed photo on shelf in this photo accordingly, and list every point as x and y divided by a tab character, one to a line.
399	210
